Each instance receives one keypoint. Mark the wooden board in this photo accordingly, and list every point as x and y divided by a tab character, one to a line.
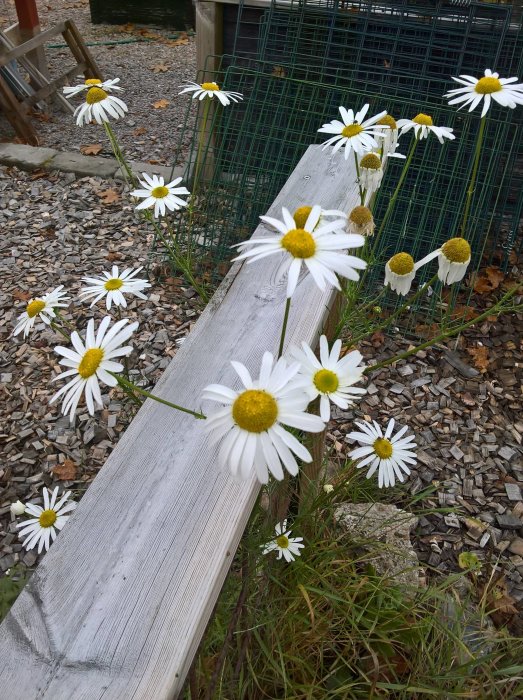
117	607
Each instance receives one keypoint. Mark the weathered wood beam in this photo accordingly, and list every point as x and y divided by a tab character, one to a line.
118	606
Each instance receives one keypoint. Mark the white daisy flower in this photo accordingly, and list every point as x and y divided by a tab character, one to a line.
160	195
107	85
423	125
390	455
360	220
251	424
388	139
210	90
453	258
329	377
328	488
113	285
354	133
286	546
371	173
319	248
400	271
42	528
99	106
43	308
92	361
490	87
17	508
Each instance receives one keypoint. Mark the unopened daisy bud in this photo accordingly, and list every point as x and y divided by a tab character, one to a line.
454	260
371	173
377	309
17	508
328	488
361	221
399	273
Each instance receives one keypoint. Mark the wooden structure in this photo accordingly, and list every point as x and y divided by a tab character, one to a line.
14	108
119	604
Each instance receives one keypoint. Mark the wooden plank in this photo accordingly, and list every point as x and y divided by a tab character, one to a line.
209	36
118	606
80	51
52	87
16	115
33	43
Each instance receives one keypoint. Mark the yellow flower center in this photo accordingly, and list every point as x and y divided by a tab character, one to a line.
361	215
402	263
352	130
159	192
47	518
301	215
114	283
282	541
255	411
94	95
388	120
90	362
370	161
485	86
34	307
93	81
299	243
423	119
383	448
326	381
457	250
210	86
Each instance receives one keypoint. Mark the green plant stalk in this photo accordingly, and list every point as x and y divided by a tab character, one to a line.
125	384
496	309
201	139
118	153
284	326
472	183
60	330
362	194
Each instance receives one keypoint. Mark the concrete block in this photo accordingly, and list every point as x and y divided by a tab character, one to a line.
25	157
90	166
139	167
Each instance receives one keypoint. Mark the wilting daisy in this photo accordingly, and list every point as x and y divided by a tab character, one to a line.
17	508
106	85
353	133
251	424
210	90
91	362
160	195
42	528
100	107
301	215
360	220
390	455
113	285
42	308
329	377
388	139
400	271
453	259
371	173
490	87
286	546
328	488
423	125
318	248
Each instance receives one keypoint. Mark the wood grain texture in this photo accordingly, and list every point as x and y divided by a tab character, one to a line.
117	607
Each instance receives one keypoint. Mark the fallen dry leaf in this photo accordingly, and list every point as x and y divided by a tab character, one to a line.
464	313
65	471
91	149
480	357
109	196
181	41
489	280
159	68
377	339
21	296
140	131
161	104
112	256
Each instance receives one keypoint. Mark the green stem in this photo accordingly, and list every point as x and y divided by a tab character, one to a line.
362	195
284	326
60	330
475	167
118	154
201	139
125	384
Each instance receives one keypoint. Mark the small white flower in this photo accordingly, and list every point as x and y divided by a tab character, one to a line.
360	220
43	308
160	195
390	455
353	133
286	546
113	286
318	247
388	139
328	488
17	508
210	90
400	271
423	126
91	362
99	106
251	424
453	260
107	85
329	377
42	528
371	174
490	87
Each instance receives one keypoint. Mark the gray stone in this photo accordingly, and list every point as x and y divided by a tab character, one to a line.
93	166
513	492
390	527
139	167
25	157
506	452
